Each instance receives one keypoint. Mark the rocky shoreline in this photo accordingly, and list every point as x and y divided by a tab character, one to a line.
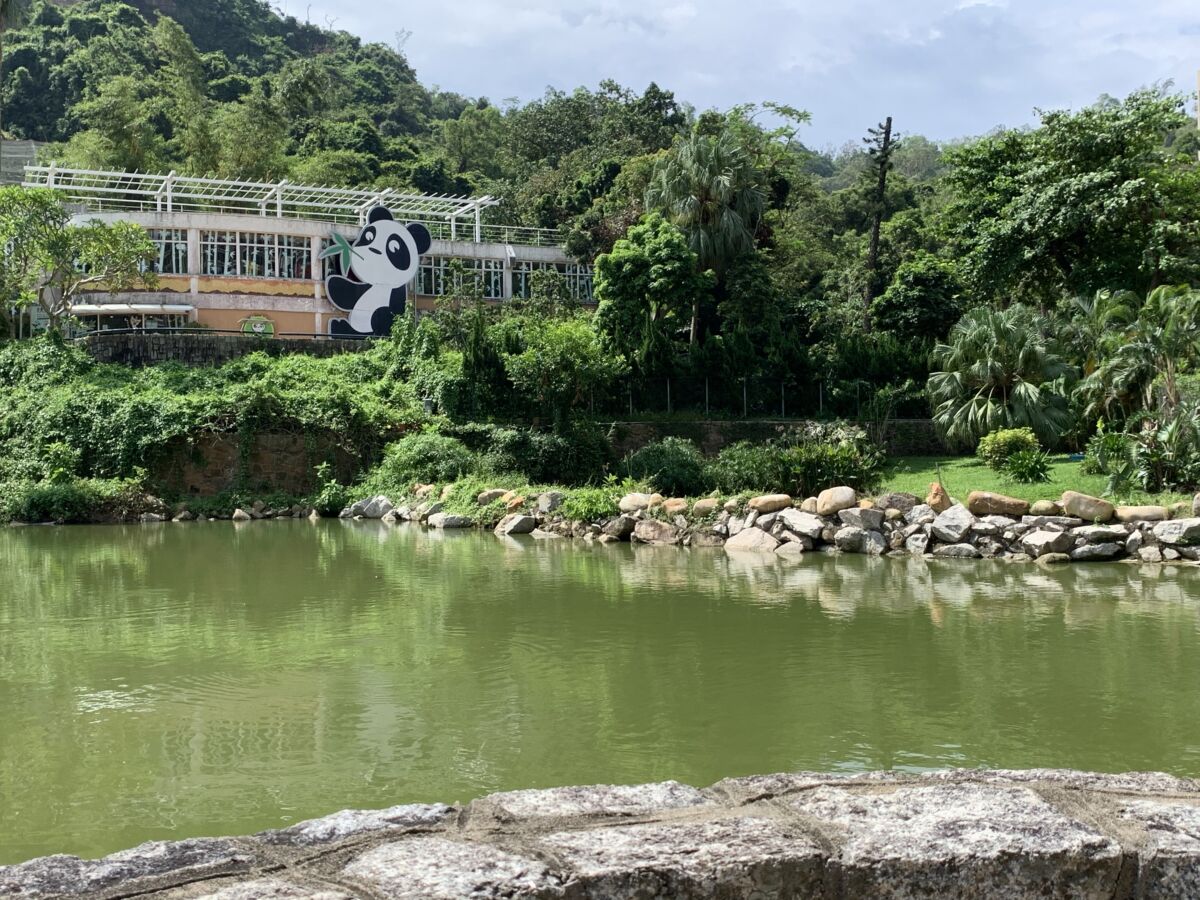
965	833
1076	528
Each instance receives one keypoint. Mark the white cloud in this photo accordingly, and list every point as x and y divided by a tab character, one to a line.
940	67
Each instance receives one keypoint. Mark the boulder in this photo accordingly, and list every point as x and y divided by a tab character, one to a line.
1041	543
652	531
834	500
1096	552
917	544
809	505
147	518
956	551
866	519
1150	554
184	516
790	550
874	543
550	501
448	521
1178	532
1045	508
937	499
489	497
1054	559
1101	534
377	507
314	516
425	510
423	491
1055	523
240	515
752	541
1196	506
850	539
921	514
770	503
516	524
732	505
634	503
1134	542
953	525
1090	509
702	509
621	527
802	523
656	500
901	501
675	507
1129	514
515	503
1180	510
985	503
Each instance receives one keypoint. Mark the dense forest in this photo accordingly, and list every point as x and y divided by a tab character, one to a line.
996	281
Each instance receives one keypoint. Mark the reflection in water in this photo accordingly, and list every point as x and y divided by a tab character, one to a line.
205	679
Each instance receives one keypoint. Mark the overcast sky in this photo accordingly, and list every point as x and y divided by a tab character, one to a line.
943	68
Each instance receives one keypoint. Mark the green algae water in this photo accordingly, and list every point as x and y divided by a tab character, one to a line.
181	680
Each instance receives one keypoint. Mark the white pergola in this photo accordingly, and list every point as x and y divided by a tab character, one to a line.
103	191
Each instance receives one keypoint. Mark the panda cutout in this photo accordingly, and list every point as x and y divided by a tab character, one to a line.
382	261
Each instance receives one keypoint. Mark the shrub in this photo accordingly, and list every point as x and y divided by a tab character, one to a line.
72	501
331	496
746	467
1107	452
1167	453
592	504
578	456
424	456
1028	467
996	448
811	468
673	466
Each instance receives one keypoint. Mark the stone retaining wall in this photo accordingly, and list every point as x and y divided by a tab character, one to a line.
974	834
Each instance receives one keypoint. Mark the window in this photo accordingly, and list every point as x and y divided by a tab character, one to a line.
172	247
238	254
434	274
578	279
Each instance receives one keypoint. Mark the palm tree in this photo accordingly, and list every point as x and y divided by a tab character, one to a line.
708	187
1097	325
997	370
1164	339
12	13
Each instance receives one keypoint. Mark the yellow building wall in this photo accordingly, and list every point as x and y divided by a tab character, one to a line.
298	323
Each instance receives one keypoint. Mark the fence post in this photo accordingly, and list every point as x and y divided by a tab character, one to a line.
745	401
668	396
782	402
631	401
706	395
821	398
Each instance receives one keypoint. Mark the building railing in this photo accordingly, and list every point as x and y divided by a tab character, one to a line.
448	217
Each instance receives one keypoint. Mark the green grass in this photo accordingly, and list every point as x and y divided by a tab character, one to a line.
963	474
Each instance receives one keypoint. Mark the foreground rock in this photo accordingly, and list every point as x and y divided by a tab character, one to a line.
985	503
834	500
971	834
1090	509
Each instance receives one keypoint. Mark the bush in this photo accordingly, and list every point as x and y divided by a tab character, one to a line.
1028	467
673	466
746	467
592	504
1167	454
811	468
331	496
1107	453
996	448
72	501
424	456
578	456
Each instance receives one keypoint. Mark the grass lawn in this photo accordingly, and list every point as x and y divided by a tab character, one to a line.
963	474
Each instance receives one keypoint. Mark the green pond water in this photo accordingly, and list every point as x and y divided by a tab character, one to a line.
182	680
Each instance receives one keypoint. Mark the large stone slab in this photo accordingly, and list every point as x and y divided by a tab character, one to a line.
738	857
1179	532
652	531
434	868
953	525
770	503
593	801
348	823
802	523
1090	509
961	840
832	501
752	541
986	503
270	889
131	870
1169	858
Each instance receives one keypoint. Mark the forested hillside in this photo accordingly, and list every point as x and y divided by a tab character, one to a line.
724	246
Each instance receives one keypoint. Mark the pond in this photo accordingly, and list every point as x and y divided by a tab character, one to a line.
171	681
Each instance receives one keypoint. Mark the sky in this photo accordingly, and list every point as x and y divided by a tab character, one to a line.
942	68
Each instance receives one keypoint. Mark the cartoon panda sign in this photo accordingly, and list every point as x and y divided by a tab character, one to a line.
376	271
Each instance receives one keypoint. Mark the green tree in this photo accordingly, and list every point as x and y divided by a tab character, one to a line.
646	289
50	261
997	370
709	188
563	360
183	91
1149	355
122	132
12	13
252	135
1089	200
923	300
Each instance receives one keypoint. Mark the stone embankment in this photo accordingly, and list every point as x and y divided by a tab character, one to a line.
1077	528
973	834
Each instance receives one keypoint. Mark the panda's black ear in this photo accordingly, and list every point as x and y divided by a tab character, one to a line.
379	212
421	236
